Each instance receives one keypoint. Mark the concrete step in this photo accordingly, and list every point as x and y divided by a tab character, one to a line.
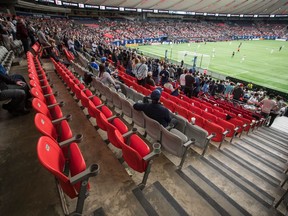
257	180
259	150
258	161
279	133
268	145
272	137
277	141
214	195
234	187
162	201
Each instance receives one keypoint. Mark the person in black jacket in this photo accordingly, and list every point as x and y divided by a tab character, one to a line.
15	89
155	110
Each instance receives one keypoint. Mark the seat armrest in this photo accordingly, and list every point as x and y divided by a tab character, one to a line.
129	133
67	118
113	117
91	171
236	128
77	138
189	143
55	94
61	104
226	132
211	136
150	156
99	106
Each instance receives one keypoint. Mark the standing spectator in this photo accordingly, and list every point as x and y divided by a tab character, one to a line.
238	92
275	111
189	82
4	31
156	68
164	74
22	34
141	71
182	79
12	27
267	105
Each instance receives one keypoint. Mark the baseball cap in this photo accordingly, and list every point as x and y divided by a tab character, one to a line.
103	59
156	94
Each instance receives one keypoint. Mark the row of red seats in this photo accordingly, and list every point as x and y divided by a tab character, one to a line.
57	149
70	57
209	118
135	151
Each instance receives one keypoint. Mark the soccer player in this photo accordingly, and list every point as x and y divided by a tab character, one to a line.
233	53
280	48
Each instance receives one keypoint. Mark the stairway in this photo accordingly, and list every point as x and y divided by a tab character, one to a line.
243	178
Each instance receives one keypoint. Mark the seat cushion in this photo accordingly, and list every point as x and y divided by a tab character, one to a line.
179	134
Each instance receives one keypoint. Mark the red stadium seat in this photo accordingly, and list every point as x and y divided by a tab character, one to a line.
52	159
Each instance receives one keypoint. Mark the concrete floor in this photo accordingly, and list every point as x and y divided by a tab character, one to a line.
27	189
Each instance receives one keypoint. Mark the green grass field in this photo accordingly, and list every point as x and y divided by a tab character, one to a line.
259	62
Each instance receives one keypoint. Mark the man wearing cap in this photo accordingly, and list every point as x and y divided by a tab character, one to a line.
155	110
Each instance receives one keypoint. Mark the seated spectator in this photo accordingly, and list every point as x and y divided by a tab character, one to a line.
149	80
169	85
93	64
14	89
105	77
254	99
156	110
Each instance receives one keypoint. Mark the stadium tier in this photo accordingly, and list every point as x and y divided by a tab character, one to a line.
143	107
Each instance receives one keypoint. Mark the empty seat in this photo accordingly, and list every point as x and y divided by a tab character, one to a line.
152	128
175	143
200	135
136	154
76	184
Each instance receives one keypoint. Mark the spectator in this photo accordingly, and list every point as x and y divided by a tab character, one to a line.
164	75
156	110
149	79
275	110
156	68
13	88
141	71
238	92
189	82
267	105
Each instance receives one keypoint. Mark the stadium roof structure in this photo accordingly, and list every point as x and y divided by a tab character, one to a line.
205	6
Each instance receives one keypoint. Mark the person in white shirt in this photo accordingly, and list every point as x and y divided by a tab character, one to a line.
182	79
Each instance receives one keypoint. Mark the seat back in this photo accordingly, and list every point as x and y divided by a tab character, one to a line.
138	118
40	107
227	126
152	128
198	133
172	143
45	126
116	100
208	116
51	157
214	128
134	152
127	107
181	122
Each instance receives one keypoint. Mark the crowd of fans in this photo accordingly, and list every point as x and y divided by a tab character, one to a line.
54	33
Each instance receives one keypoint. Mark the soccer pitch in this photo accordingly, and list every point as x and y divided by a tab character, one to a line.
259	62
